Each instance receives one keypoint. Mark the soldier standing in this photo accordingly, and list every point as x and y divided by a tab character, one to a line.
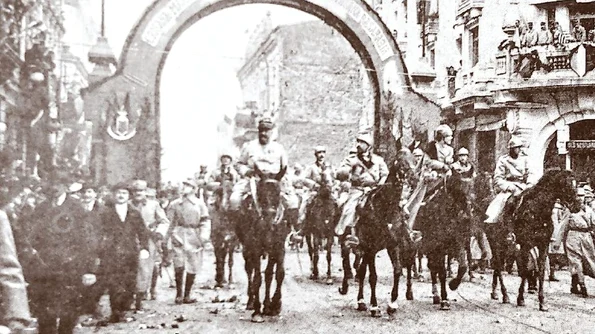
189	230
126	240
59	257
157	225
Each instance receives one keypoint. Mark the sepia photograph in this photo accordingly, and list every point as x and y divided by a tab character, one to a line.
297	166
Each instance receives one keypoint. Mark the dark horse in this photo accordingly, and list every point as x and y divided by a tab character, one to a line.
222	235
319	225
445	222
262	233
382	225
529	217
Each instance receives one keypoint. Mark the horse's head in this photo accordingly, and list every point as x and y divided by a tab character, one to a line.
402	170
461	190
561	185
221	195
326	183
268	193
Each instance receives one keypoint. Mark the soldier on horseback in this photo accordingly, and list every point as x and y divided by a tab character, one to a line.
510	178
226	172
263	153
315	176
366	170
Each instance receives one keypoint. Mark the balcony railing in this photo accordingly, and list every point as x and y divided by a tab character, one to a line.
466	5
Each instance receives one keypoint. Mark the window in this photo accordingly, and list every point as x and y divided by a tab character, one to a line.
474	43
433	58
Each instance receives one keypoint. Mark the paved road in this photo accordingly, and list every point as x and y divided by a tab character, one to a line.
314	307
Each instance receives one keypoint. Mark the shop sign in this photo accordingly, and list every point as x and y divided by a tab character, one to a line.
580	145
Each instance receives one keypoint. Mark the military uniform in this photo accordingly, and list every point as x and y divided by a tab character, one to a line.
190	229
269	158
510	178
467	171
366	171
61	245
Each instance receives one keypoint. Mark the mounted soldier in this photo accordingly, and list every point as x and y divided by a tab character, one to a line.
510	178
434	166
201	178
316	174
463	166
226	172
365	170
263	154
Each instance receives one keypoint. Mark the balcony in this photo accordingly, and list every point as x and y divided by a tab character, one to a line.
572	64
467	5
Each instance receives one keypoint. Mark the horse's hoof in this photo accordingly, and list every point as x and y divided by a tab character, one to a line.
494	296
257	318
362	306
505	299
342	290
445	305
520	302
454	284
436	300
543	308
375	312
392	308
329	281
409	295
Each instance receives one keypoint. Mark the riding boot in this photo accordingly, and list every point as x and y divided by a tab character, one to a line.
574	289
179	273
138	303
552	277
188	288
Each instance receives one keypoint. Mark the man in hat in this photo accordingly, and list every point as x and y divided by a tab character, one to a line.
365	170
511	177
318	172
60	248
157	224
263	154
226	172
189	231
579	246
463	166
202	178
126	241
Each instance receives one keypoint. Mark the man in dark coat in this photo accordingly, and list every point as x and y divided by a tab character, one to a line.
59	253
126	240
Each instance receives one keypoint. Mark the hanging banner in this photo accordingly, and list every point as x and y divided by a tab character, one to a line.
580	145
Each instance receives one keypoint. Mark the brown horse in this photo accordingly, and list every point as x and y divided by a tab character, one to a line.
382	225
445	223
529	217
263	234
319	225
222	232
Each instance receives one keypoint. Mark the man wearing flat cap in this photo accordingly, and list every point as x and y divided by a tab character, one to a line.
189	231
59	249
263	153
157	224
365	170
126	242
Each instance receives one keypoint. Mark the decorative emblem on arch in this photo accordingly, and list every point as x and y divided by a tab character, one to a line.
122	119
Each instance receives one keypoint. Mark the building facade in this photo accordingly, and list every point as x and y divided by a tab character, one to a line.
40	78
315	89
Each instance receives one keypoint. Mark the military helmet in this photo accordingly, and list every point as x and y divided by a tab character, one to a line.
265	124
366	138
515	142
463	151
226	154
443	130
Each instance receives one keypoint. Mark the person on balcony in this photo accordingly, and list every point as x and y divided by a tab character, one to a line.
544	36
531	37
578	32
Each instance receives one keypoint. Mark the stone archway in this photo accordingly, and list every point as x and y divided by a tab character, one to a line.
137	79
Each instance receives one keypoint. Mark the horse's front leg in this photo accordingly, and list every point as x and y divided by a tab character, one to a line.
542	262
329	252
410	265
230	253
462	270
374	309
433	266
347	274
361	275
444	303
257	315
249	267
279	277
310	245
394	255
219	265
522	263
268	280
